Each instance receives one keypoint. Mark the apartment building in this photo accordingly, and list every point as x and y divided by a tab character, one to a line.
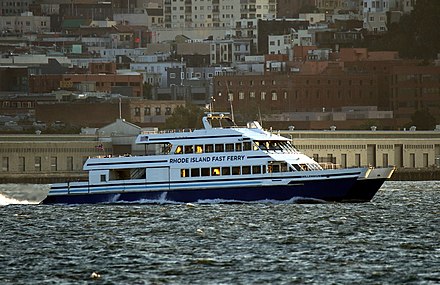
215	13
374	13
14	8
26	22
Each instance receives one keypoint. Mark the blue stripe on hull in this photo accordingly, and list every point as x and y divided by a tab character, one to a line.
337	190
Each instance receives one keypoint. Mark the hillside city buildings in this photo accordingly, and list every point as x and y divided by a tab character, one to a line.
295	65
296	62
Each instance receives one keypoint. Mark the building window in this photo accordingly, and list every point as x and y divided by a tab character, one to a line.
263	95
241	95
168	111
53	163
147	111
412	160
385	159
344	160
69	163
137	111
157	111
5	164
37	163
274	96
230	97
22	164
357	159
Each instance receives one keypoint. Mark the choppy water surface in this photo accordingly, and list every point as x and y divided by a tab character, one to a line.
394	239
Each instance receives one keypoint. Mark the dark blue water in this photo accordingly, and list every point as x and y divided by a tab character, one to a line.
392	240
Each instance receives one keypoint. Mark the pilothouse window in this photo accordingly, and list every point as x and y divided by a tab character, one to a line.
189	149
247	146
284	146
179	149
199	148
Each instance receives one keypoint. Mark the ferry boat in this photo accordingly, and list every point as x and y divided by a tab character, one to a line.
219	163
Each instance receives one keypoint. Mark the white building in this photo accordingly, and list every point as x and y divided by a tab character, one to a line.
374	13
280	44
259	9
200	14
25	23
155	72
313	18
301	38
229	51
215	13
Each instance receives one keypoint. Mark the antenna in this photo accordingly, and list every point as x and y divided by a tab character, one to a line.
259	115
120	108
230	103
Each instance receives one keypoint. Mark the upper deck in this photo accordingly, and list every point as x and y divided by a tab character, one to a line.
216	127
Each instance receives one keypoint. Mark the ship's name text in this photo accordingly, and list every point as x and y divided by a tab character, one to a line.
207	158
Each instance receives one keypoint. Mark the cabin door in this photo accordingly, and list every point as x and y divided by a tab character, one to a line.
159	176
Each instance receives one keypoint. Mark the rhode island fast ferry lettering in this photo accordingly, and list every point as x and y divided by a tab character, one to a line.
217	164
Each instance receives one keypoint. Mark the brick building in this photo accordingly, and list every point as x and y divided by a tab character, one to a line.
86	113
414	88
130	83
275	93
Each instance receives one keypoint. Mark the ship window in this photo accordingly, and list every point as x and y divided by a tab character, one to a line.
219	148
236	170
275	168
246	170
284	167
304	167
256	169
195	172
226	171
247	146
215	171
238	147
179	149
262	145
297	167
229	147
264	169
103	178
199	148
119	174
184	172
189	149
209	148
166	148
255	146
205	172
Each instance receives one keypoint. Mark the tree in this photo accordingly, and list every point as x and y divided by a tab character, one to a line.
423	120
147	93
185	117
416	35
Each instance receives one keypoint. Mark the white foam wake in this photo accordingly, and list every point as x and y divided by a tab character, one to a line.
4	200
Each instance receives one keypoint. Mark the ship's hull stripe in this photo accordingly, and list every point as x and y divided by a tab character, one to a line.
338	190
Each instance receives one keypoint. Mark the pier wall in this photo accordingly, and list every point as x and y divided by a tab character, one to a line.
56	158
